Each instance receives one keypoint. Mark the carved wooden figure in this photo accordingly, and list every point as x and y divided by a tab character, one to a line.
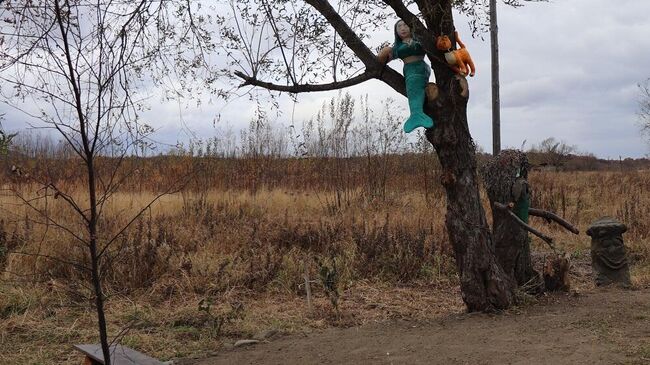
608	253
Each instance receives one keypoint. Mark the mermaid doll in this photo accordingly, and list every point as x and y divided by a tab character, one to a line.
416	74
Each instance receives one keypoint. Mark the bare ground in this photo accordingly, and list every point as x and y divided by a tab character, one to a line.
596	326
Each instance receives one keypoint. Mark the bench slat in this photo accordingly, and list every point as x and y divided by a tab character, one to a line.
120	355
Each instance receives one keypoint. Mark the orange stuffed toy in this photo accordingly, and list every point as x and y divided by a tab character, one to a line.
459	60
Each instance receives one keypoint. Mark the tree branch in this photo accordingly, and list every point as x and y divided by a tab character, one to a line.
53	258
68	200
550	216
171	190
374	68
301	88
352	40
47	217
276	32
525	226
348	35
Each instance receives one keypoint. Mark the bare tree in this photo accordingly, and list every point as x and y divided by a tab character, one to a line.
554	153
81	68
294	60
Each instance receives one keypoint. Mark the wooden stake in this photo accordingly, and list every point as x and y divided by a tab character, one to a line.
307	284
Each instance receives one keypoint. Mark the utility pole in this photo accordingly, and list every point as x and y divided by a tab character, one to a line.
496	113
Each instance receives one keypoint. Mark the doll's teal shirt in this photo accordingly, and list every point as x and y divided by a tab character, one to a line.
404	50
416	76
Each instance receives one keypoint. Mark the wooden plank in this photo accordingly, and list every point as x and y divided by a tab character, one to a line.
120	355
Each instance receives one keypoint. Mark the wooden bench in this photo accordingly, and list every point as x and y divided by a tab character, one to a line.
120	355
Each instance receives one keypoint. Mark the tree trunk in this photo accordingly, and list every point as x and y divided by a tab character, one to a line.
95	259
484	284
512	245
88	144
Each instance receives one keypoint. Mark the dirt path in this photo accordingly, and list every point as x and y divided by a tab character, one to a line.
608	326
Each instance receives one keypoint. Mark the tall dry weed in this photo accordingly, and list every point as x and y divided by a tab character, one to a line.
211	241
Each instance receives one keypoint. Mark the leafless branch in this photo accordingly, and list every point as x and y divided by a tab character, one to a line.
550	216
525	226
248	80
352	40
56	259
49	220
170	190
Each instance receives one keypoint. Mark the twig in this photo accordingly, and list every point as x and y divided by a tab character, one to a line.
525	226
550	216
53	258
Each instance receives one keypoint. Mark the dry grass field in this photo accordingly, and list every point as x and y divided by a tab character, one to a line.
226	258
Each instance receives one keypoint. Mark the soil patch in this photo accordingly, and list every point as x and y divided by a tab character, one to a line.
599	326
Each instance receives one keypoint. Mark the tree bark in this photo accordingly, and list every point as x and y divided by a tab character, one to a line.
484	284
512	245
522	224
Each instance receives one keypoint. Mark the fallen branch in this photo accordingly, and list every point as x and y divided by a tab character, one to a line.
525	226
550	216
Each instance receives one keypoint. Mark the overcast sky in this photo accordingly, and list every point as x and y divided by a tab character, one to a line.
569	70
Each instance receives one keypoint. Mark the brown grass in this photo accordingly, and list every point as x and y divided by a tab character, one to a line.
251	247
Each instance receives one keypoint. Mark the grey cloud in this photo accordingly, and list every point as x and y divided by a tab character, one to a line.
569	69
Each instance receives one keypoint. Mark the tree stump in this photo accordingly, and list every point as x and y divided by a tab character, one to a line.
504	177
556	272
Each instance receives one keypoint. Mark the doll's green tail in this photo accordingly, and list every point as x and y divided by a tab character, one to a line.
417	76
418	120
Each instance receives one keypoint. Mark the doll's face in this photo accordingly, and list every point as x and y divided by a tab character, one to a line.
403	30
